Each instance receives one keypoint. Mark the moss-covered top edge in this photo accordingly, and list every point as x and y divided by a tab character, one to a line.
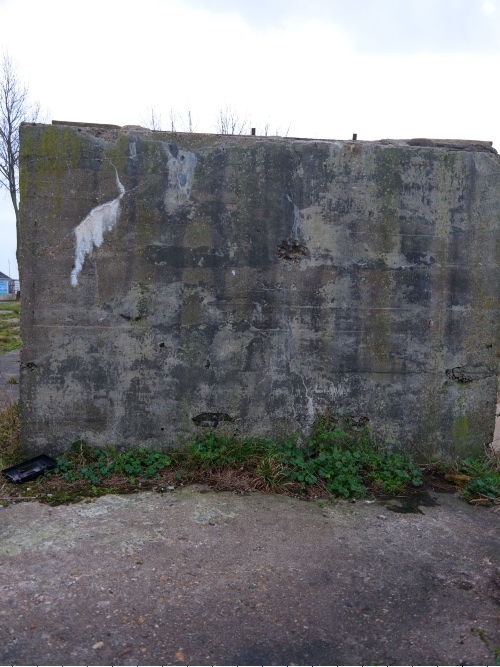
415	144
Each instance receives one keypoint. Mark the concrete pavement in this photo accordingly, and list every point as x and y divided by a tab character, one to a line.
205	578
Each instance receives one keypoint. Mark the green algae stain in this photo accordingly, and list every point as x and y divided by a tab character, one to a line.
449	160
389	180
117	153
47	155
61	149
23	179
389	166
377	320
26	150
460	430
191	310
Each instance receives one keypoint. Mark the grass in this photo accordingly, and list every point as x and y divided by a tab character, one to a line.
10	423
484	484
9	331
338	460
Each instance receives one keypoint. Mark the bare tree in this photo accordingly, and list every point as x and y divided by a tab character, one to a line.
15	108
229	122
152	119
173	120
266	131
188	123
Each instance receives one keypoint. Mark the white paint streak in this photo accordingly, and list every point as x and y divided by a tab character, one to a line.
309	398
296	219
90	232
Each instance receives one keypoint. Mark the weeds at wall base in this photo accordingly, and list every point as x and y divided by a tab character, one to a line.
339	460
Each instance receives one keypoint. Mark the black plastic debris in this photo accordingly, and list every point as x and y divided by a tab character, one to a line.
22	472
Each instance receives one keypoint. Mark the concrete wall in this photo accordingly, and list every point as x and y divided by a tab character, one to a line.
168	278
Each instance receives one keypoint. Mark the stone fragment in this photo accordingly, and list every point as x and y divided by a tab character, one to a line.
458	479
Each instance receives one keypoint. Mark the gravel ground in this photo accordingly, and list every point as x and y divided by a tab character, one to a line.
204	578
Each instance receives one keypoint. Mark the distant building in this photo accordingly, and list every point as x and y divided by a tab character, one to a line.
8	287
4	283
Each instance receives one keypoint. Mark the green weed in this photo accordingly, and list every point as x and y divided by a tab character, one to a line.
9	331
95	465
485	478
211	450
345	461
339	460
494	650
339	457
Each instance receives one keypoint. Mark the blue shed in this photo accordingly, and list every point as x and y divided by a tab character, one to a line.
4	283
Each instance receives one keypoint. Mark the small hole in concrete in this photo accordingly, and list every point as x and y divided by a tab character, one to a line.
162	344
291	250
207	364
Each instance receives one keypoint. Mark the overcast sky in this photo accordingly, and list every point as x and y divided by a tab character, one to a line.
326	68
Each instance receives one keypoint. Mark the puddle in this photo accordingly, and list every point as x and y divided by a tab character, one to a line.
411	504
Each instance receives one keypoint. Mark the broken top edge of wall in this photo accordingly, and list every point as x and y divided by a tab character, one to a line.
473	145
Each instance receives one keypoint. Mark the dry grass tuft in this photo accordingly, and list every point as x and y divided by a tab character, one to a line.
10	424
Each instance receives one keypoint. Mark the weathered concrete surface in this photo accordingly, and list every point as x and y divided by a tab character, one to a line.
256	580
170	275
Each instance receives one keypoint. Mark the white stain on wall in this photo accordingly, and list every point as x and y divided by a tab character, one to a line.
101	219
90	232
310	401
181	166
296	219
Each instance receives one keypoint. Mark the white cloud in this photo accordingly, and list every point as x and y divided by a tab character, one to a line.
489	8
380	26
109	62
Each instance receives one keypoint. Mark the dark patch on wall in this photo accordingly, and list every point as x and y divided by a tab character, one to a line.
211	419
291	251
468	373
